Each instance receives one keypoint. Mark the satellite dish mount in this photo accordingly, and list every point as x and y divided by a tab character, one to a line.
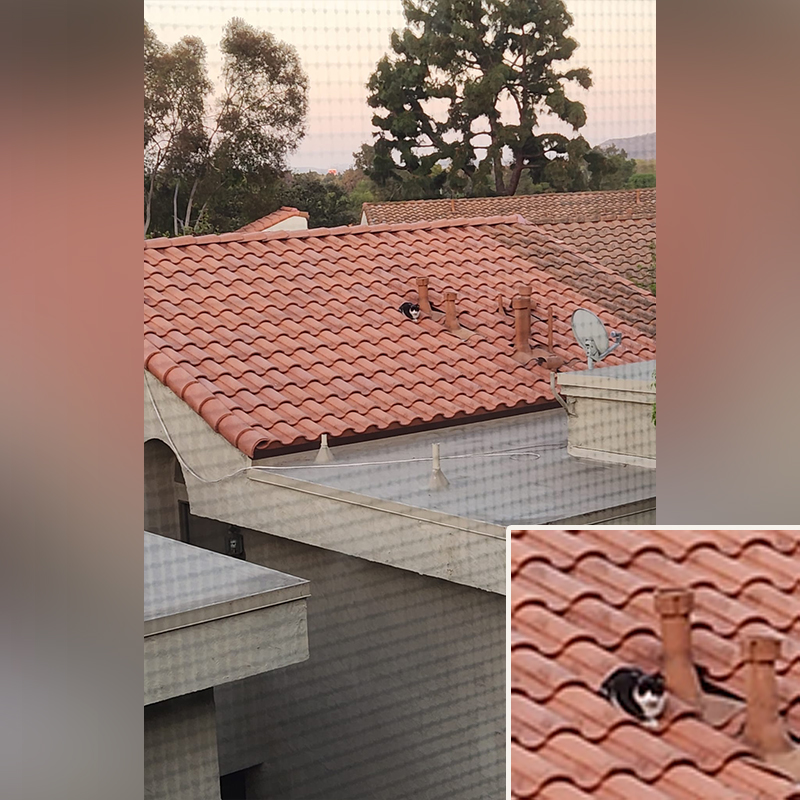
592	336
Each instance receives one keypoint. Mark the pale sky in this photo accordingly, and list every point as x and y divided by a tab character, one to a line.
340	42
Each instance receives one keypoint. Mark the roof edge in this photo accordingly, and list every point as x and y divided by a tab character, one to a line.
274	449
559	217
517	196
237	236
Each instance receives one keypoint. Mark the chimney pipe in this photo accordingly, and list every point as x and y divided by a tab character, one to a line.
763	729
674	606
450	318
422	290
522	324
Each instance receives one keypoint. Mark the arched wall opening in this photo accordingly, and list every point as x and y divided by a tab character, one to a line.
166	504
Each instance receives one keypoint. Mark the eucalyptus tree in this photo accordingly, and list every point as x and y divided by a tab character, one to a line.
210	154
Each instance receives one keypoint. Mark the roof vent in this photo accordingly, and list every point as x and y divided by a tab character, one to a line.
451	317
324	454
764	730
674	607
522	324
422	290
523	351
438	478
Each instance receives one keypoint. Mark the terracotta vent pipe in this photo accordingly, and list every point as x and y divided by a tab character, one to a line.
450	318
422	291
674	606
763	729
522	324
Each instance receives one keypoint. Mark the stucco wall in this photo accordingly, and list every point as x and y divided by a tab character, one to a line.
402	696
428	542
605	427
296	223
180	749
160	501
403	693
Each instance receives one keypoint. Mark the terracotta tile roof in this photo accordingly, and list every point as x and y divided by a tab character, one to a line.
536	208
588	274
282	214
275	338
614	229
621	245
582	605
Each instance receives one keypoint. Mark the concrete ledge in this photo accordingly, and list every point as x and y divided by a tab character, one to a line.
210	619
427	542
209	654
611	458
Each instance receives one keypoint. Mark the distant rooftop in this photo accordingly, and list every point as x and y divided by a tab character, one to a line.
271	220
501	472
536	208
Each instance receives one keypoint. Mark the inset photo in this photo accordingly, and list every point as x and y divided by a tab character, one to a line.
654	663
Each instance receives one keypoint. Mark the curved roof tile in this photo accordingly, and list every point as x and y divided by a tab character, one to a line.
255	329
582	605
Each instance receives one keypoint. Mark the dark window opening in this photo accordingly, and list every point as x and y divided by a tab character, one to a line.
183	513
232	786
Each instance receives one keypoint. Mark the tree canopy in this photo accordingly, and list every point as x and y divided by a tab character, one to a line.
214	163
325	200
465	94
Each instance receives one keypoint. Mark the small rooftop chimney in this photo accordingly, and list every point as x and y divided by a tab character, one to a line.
450	317
422	290
763	729
522	324
674	606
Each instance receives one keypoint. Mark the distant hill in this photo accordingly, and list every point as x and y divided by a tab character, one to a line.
643	146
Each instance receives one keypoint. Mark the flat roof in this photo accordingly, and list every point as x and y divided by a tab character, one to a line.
514	470
185	585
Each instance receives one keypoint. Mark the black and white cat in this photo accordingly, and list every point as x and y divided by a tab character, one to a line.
641	695
410	310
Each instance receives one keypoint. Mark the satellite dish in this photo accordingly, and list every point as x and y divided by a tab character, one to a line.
592	336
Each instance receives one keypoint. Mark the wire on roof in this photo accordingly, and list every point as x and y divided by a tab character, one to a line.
510	453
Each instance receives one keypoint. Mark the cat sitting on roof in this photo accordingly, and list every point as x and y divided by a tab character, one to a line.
410	310
636	693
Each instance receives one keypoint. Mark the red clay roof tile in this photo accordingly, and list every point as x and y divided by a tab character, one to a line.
582	604
616	229
265	333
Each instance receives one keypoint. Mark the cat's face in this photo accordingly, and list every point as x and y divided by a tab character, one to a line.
650	695
413	311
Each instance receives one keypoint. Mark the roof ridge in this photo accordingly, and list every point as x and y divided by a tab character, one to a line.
387	227
598	194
